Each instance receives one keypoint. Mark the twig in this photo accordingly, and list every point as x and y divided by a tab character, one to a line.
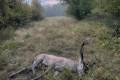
26	69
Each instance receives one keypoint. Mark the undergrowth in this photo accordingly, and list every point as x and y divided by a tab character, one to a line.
62	37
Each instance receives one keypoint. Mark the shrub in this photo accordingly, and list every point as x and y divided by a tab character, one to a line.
36	10
112	7
79	8
6	34
116	28
13	13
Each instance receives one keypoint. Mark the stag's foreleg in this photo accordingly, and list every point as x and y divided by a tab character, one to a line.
49	68
80	69
58	68
56	73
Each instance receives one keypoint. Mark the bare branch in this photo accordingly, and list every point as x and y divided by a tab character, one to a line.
23	70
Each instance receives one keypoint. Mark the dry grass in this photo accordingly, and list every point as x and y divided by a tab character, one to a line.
62	36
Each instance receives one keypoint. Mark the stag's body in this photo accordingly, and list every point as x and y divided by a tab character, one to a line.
60	63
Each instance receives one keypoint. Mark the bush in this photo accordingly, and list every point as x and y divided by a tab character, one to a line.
112	7
6	34
79	8
116	28
36	10
14	13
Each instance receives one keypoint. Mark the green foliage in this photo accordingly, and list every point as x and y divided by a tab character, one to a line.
111	7
12	13
111	43
79	8
3	60
65	75
6	34
7	46
116	30
36	10
17	13
68	75
7	50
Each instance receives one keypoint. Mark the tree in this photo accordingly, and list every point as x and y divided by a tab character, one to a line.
36	10
79	8
13	12
111	7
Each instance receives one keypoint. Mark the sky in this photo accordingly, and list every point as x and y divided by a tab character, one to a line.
46	2
49	2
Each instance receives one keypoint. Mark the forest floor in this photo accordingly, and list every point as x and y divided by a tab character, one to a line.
61	36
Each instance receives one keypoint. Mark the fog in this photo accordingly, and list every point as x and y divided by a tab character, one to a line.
54	10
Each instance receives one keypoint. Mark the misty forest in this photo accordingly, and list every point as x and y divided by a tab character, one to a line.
59	39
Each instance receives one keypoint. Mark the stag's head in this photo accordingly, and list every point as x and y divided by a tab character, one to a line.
87	41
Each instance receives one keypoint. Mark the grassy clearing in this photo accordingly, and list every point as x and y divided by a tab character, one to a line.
62	36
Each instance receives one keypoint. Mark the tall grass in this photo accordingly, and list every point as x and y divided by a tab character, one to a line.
62	37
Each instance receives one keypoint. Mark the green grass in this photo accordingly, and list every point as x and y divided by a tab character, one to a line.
62	36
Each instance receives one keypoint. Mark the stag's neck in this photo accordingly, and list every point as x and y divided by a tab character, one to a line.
81	58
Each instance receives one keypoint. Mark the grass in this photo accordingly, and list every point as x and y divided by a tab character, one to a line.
62	36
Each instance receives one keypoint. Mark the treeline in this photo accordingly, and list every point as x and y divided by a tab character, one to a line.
109	8
81	8
18	12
